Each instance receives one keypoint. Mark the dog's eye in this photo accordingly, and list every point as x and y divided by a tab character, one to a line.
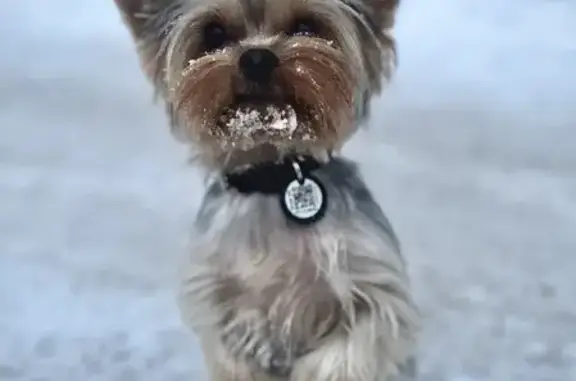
215	36
304	27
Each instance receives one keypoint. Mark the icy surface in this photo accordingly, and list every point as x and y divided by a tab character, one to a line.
471	153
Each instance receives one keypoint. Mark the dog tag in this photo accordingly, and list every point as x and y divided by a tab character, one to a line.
304	200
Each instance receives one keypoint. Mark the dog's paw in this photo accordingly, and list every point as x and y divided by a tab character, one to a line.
273	356
251	337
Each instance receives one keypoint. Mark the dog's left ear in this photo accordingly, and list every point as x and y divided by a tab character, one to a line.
385	11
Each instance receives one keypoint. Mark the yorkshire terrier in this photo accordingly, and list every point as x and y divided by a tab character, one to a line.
295	273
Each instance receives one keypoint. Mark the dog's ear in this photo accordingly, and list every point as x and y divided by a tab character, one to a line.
129	6
137	13
385	5
385	11
149	21
130	10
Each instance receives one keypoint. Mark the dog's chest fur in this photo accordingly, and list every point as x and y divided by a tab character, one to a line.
299	276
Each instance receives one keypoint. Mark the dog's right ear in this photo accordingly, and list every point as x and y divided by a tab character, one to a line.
149	21
138	14
134	14
129	6
129	9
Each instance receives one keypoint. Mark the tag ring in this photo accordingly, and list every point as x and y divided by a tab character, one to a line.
298	171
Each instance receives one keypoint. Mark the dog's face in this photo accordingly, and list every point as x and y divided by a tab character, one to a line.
243	79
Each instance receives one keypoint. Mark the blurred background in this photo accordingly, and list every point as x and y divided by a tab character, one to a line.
471	151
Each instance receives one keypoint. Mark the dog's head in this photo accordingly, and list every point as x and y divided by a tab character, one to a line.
243	79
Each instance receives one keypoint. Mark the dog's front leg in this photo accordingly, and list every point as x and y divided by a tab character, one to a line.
248	334
237	337
364	352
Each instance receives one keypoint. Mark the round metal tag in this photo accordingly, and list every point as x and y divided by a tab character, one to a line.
304	201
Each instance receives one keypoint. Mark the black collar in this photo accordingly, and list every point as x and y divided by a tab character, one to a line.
270	177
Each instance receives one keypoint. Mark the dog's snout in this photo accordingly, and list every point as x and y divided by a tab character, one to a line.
258	64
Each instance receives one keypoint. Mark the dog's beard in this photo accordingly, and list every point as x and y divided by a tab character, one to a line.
309	102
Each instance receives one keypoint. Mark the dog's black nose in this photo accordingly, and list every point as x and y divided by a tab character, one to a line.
258	64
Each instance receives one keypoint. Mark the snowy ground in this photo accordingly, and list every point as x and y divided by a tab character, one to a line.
471	153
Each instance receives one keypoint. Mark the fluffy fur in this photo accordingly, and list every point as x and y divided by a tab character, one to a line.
329	302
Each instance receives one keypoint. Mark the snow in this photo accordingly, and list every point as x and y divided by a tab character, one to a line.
245	125
471	153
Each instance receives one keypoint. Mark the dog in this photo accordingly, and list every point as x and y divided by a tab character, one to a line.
295	272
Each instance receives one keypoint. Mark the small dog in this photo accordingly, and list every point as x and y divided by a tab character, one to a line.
296	273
